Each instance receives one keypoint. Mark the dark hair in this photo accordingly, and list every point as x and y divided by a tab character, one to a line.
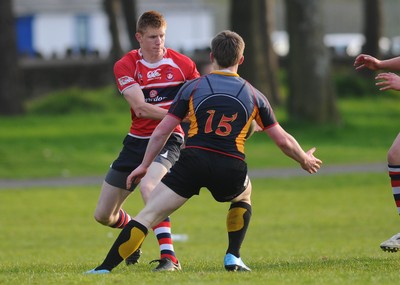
151	19
227	48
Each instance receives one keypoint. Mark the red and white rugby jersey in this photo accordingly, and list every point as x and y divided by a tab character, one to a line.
159	82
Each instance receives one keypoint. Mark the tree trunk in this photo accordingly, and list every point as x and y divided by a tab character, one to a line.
11	102
111	8
272	61
372	26
129	10
311	93
252	20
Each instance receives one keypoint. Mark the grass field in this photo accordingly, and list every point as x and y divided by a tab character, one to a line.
304	230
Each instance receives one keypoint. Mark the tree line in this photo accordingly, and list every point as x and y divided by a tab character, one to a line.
311	93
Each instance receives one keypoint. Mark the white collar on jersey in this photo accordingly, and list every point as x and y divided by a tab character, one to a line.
141	54
225	70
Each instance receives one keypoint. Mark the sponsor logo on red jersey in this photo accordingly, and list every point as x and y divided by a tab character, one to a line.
153	74
125	80
170	76
153	93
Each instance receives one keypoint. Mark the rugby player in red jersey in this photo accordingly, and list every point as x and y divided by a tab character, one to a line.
149	79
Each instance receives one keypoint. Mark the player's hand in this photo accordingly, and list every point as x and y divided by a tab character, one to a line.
257	128
136	176
388	80
312	164
187	118
366	61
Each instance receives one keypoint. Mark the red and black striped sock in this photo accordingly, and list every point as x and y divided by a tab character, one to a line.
163	234
394	173
123	219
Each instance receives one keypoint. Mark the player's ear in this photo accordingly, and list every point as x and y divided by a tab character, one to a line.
241	60
138	37
211	57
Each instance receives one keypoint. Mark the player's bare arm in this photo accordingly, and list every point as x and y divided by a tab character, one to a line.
372	63
391	64
135	98
288	144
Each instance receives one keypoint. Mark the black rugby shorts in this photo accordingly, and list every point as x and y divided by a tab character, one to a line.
132	155
224	176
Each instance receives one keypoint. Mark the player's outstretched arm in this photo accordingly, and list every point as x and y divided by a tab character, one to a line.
288	144
370	62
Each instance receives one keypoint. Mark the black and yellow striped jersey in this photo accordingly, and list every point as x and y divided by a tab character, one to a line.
221	106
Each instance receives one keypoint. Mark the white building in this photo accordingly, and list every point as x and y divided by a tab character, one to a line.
53	28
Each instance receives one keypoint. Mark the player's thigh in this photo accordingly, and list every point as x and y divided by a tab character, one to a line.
153	176
155	172
245	196
110	200
161	203
394	152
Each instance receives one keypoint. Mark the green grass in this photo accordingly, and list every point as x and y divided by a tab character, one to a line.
82	143
304	230
78	143
368	129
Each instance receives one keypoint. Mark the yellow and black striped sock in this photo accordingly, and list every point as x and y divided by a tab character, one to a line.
237	222
129	240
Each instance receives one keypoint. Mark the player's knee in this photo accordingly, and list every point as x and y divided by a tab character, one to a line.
146	190
103	219
393	157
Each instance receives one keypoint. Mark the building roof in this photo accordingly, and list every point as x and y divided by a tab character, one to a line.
28	7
